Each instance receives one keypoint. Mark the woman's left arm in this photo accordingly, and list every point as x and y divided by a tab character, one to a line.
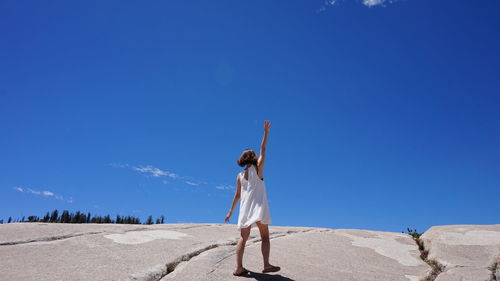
262	156
237	196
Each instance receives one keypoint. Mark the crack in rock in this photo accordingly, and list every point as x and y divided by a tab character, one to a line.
495	270
46	239
60	237
158	272
436	267
194	226
137	229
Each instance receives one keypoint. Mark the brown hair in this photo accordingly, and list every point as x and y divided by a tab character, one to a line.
247	157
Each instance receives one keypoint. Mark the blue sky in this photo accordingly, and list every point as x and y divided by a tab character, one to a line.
384	114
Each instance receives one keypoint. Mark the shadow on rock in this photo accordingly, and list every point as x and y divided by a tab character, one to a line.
267	277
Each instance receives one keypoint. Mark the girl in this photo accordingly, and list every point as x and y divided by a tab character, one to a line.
254	209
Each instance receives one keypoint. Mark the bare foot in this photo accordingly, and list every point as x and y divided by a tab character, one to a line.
240	271
271	268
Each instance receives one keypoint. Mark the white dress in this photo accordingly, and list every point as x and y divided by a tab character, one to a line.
253	204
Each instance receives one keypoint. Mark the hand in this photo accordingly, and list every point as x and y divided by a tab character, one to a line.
228	216
267	125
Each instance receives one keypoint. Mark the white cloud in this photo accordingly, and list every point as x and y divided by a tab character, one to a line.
192	183
371	3
368	3
33	191
325	5
152	171
119	165
224	187
45	193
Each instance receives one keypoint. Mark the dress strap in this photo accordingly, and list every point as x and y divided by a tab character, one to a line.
256	172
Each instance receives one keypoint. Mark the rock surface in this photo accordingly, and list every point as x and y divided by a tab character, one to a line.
469	252
50	251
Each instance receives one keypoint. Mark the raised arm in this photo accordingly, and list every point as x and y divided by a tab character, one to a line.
237	196
262	156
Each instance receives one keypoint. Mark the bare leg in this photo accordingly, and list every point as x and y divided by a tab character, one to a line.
240	248
266	243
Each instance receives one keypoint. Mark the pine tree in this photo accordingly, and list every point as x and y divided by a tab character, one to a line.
74	216
157	221
46	218
54	216
65	218
81	217
162	219
107	219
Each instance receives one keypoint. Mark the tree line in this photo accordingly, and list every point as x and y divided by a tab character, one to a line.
82	217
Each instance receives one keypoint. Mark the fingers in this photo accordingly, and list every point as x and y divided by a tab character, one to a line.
267	124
